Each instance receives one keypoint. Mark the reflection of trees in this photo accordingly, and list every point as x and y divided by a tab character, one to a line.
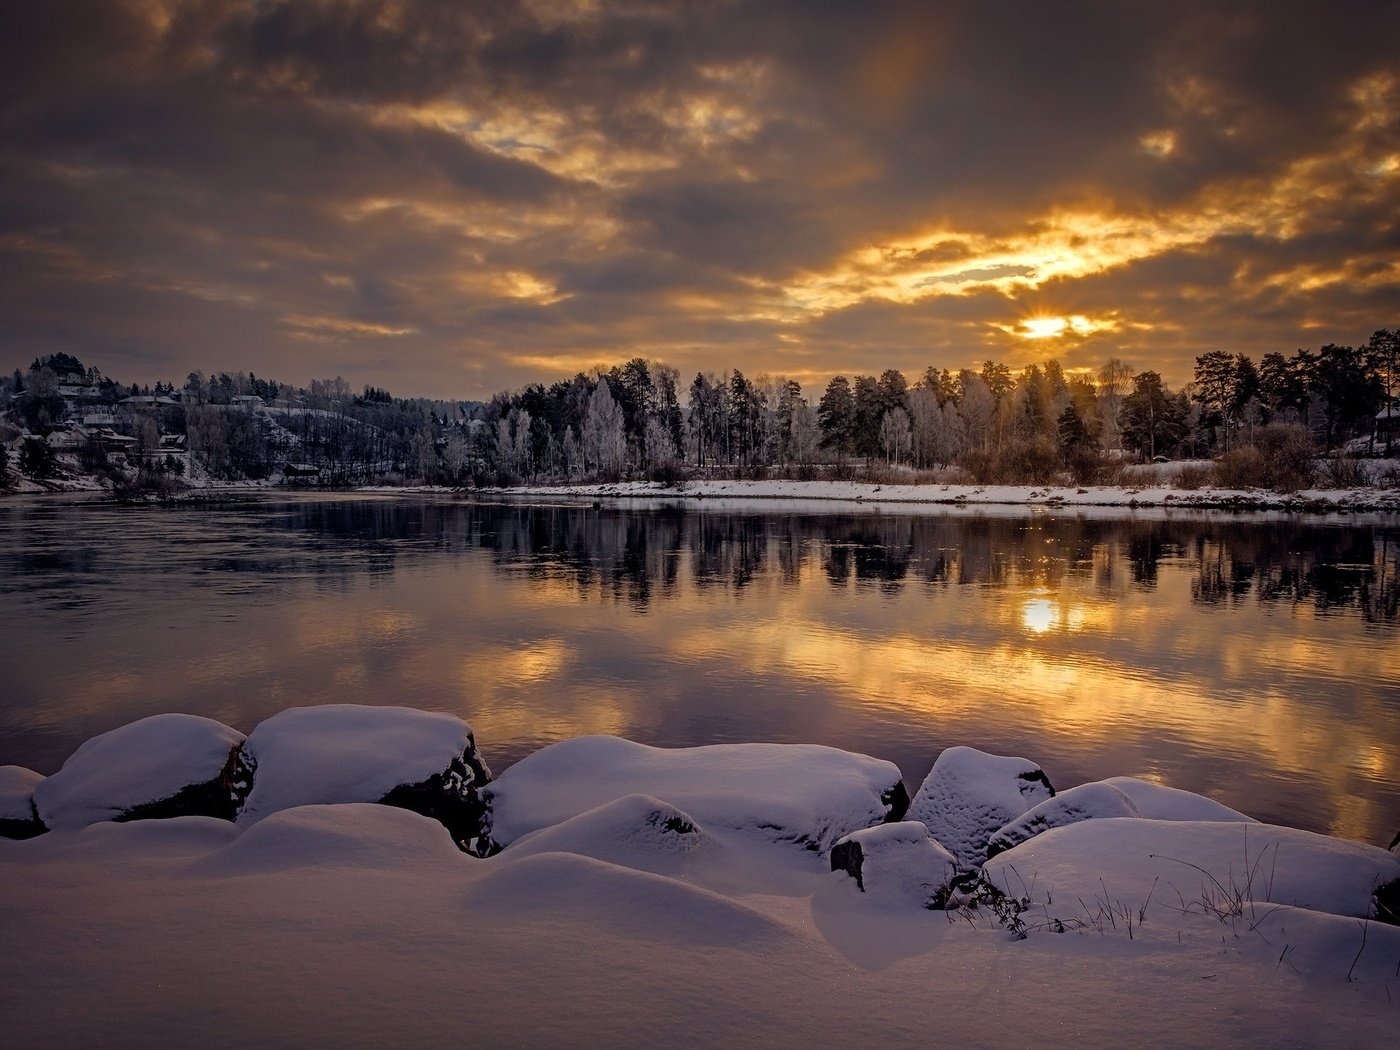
638	555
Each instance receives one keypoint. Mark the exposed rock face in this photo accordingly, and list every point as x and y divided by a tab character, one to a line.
968	795
1084	802
899	864
799	793
163	766
18	817
422	761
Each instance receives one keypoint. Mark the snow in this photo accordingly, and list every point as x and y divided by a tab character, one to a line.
1160	496
1202	866
347	753
899	864
146	761
969	794
636	829
17	786
1159	802
803	793
362	926
1085	802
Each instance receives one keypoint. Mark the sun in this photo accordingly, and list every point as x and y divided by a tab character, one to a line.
1042	327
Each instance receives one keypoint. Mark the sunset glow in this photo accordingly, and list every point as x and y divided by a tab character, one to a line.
506	192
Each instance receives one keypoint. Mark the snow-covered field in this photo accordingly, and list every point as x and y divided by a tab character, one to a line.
647	897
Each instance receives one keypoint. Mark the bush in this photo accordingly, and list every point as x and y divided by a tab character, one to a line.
1195	475
1281	459
1343	472
672	474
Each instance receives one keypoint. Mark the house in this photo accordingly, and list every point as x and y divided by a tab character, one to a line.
247	402
1387	425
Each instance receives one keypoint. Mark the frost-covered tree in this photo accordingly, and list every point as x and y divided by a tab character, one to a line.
894	435
604	439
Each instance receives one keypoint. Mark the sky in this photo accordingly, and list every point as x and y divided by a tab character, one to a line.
450	199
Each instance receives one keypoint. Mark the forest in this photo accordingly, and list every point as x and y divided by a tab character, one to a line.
1280	422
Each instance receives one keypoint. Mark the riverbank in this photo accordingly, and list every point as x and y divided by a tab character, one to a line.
1155	496
744	894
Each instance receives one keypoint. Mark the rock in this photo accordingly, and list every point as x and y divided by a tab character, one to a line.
426	762
1395	843
797	793
635	831
163	766
1210	868
1159	802
18	817
899	864
1068	807
968	795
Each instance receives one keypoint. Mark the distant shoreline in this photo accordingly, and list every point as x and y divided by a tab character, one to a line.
1156	497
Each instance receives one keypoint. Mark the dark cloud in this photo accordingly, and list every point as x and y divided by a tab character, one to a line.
459	197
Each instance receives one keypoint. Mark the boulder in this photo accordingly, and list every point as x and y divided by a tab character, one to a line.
1210	868
804	794
422	761
635	831
18	817
898	864
968	795
1159	802
1068	807
163	766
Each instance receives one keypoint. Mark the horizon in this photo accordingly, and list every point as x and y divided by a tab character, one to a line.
471	200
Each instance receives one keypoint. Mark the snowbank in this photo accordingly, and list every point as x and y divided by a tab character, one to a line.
418	760
165	765
968	795
900	864
364	926
1085	802
802	793
1206	867
1046	495
1159	802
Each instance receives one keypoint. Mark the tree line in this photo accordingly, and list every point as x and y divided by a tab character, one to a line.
641	419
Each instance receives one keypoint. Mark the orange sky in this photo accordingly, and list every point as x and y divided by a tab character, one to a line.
451	199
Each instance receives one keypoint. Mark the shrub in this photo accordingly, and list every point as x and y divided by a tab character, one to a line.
1281	459
1343	472
1195	475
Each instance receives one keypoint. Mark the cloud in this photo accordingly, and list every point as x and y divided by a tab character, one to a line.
462	197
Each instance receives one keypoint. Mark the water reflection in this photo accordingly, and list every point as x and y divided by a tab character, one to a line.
1251	658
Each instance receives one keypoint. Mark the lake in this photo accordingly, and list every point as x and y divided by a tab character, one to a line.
1254	658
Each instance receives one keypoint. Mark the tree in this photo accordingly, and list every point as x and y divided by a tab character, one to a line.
1349	391
870	410
1151	420
604	440
1215	390
894	435
1114	377
836	414
998	379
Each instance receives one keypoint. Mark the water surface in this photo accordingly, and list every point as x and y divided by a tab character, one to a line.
1255	659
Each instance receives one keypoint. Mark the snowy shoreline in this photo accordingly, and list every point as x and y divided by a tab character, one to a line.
366	882
1161	497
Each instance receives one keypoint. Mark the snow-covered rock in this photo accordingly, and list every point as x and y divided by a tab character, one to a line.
802	793
636	831
422	761
899	864
968	795
18	817
1159	802
1206	867
163	766
1084	802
